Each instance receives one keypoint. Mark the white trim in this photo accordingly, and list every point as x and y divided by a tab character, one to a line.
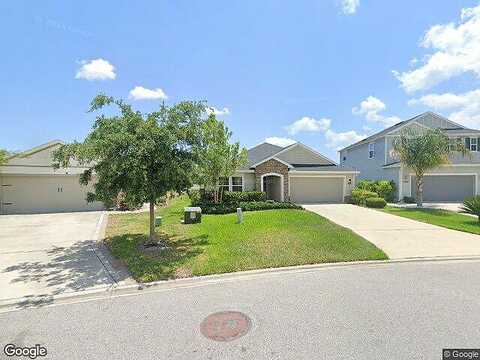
411	175
372	151
273	158
281	183
246	171
400	184
230	182
385	148
306	173
408	123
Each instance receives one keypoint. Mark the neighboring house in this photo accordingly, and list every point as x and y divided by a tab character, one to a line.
294	173
29	184
375	159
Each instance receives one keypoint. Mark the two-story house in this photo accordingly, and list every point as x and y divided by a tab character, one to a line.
375	159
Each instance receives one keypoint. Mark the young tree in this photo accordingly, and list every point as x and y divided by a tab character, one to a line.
422	151
142	155
3	156
217	156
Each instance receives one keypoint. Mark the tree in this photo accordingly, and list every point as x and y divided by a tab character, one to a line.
422	151
217	156
145	156
3	156
472	206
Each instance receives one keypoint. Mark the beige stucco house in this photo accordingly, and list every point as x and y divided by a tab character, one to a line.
294	173
29	184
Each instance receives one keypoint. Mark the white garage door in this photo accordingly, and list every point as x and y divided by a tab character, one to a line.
44	194
305	190
445	187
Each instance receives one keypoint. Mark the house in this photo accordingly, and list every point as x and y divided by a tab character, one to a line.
375	159
29	184
294	173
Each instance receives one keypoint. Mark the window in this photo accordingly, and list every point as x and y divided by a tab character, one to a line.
371	151
237	183
223	183
233	183
467	143
473	144
452	144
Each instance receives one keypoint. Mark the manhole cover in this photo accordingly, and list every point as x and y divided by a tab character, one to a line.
225	325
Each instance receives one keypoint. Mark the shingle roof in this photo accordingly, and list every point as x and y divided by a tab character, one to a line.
260	152
322	168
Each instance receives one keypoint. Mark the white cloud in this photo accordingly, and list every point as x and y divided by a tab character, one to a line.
339	140
455	50
218	112
371	108
349	7
465	108
141	93
308	124
97	69
280	141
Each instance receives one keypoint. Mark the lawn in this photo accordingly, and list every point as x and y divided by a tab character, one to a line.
271	238
448	219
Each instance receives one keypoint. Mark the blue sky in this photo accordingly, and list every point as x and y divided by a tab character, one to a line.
324	72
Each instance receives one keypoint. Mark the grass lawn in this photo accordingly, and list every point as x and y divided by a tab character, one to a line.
271	238
448	219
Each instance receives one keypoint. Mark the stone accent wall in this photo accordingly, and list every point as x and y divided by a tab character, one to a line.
272	166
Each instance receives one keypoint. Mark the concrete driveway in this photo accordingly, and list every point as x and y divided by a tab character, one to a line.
399	237
49	254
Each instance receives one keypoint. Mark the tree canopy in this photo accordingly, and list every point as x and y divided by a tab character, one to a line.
145	156
3	156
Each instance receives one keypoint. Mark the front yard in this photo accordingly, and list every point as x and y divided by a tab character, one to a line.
265	239
444	218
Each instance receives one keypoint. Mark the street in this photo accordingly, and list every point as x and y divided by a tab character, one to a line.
399	310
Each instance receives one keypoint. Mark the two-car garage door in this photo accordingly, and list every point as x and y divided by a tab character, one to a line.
445	187
316	189
47	193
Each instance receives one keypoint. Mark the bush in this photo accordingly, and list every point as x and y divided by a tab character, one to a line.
209	208
375	202
231	197
409	200
384	188
359	196
472	206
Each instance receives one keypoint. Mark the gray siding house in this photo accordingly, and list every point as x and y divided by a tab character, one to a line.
375	159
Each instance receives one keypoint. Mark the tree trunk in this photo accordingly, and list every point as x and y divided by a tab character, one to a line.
420	191
151	238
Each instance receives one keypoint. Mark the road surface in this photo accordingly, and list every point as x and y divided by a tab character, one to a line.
382	311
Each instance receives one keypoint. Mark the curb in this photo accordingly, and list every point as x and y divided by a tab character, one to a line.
116	290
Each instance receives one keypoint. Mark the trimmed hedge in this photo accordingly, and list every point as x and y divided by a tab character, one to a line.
375	202
359	196
223	208
232	197
409	200
384	188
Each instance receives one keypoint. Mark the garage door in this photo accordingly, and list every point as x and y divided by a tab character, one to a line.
305	190
44	194
446	187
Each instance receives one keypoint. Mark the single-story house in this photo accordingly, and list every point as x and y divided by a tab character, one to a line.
294	173
29	184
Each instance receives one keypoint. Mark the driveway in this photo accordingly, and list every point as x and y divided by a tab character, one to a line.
400	237
49	254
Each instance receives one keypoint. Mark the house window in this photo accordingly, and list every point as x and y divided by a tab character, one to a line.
237	183
232	183
473	144
371	151
467	143
452	144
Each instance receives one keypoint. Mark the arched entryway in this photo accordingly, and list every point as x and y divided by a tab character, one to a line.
272	184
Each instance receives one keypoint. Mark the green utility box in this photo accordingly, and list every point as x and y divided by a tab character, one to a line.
192	215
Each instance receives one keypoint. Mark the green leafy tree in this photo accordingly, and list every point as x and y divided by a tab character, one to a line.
217	156
422	151
144	156
3	156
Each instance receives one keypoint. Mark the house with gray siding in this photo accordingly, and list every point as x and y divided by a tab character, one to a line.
375	159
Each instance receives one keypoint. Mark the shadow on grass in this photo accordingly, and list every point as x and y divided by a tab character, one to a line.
157	264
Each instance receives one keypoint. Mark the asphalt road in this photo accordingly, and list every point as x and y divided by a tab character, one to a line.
385	311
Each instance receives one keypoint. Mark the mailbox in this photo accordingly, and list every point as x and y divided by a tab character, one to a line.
192	215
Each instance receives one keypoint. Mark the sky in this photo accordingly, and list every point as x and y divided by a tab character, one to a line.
323	72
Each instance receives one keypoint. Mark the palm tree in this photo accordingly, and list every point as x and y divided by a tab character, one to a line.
422	151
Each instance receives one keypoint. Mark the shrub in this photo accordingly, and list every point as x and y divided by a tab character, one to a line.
359	196
472	206
375	202
384	188
222	208
409	200
231	197
368	185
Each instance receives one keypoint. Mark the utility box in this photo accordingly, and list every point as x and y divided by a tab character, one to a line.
158	221
192	215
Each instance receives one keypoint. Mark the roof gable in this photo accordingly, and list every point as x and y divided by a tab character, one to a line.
38	156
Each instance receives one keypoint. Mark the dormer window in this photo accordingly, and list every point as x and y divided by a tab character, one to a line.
371	151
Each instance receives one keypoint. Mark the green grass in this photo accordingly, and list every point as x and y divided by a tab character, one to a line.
271	238
444	218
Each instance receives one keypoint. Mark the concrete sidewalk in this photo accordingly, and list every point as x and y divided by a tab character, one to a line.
397	236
